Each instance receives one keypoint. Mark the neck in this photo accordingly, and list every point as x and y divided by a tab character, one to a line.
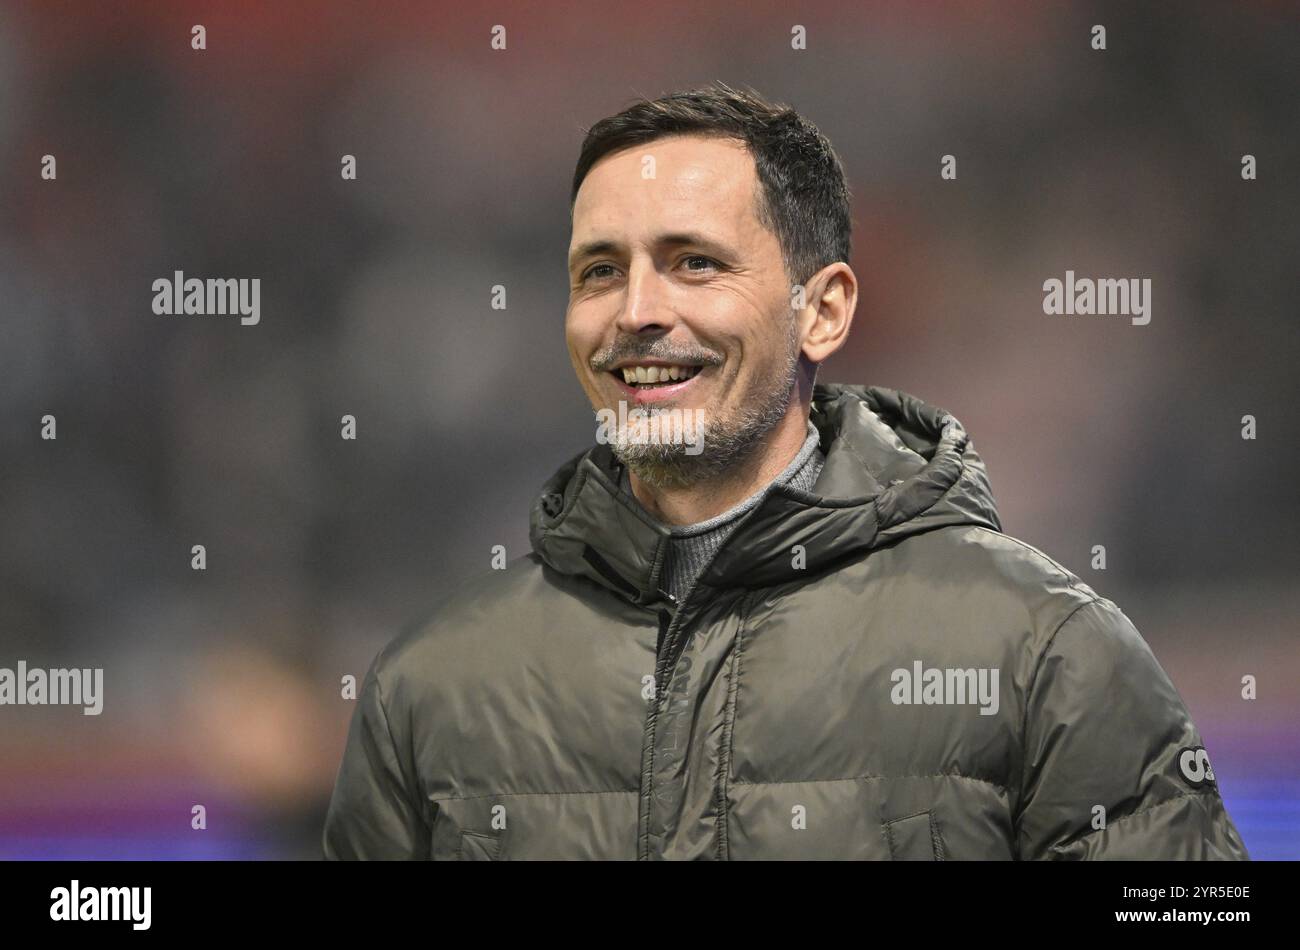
692	504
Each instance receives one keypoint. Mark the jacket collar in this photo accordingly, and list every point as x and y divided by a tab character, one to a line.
895	466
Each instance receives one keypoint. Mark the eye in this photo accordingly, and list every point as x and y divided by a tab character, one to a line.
592	270
699	257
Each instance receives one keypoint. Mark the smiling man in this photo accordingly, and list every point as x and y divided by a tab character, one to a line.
801	635
680	298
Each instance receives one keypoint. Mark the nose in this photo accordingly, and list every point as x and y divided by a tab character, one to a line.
646	307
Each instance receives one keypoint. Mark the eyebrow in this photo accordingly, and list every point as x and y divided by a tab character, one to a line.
674	239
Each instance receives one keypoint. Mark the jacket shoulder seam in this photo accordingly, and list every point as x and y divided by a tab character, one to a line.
1029	694
1072	578
422	804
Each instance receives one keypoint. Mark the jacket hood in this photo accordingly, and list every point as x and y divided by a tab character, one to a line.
895	467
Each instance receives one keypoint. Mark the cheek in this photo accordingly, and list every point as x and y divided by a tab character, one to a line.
579	370
577	339
755	361
582	340
583	328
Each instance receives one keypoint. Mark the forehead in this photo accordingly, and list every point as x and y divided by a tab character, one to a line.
698	181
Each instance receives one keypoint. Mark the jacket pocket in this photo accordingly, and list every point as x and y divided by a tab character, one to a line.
914	838
476	846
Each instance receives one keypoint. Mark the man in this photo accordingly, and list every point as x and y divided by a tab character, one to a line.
794	630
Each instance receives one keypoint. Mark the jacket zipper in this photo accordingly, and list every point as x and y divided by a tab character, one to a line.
668	637
665	659
670	626
665	619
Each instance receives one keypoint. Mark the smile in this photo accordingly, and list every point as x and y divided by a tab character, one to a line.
644	383
655	375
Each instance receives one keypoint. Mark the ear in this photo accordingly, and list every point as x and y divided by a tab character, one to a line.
830	298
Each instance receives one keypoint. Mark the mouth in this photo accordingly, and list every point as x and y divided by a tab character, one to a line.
654	382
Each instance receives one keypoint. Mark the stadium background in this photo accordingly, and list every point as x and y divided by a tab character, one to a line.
222	686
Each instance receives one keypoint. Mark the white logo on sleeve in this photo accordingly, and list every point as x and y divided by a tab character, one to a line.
1195	765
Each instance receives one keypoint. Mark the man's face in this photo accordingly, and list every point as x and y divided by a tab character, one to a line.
672	277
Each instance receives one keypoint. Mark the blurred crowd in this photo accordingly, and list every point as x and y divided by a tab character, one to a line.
222	686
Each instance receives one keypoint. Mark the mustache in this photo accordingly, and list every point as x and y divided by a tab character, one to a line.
633	348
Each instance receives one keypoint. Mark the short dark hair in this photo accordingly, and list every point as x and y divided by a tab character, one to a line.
804	198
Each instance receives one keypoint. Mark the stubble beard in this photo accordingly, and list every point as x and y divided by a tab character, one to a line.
727	441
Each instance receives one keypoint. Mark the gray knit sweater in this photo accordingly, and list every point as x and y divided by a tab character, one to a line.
691	547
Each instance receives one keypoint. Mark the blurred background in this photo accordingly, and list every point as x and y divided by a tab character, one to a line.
222	687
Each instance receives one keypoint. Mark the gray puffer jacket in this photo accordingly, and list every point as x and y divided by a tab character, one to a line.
869	670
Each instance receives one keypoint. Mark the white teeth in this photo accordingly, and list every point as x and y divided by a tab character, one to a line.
651	375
